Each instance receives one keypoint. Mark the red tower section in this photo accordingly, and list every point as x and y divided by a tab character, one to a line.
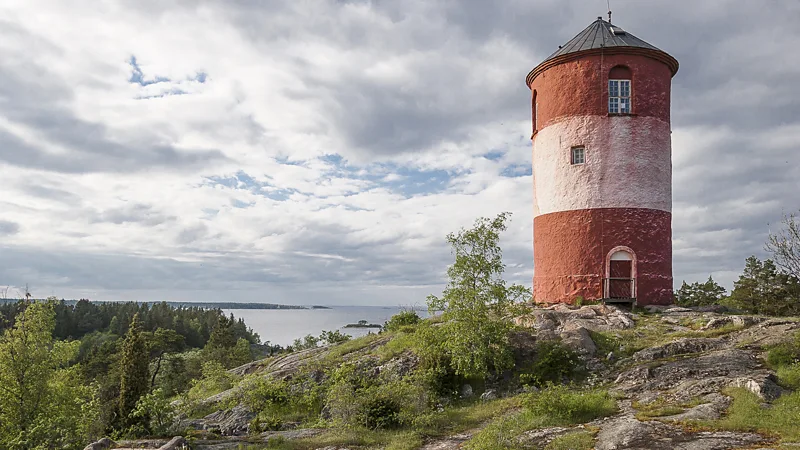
602	169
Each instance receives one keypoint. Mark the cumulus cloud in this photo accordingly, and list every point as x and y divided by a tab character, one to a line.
318	152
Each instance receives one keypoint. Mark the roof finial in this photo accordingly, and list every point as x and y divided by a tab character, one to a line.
609	10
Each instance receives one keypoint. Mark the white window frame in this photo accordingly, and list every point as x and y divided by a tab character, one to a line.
619	96
577	155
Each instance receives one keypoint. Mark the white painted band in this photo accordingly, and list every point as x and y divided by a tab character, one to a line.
628	164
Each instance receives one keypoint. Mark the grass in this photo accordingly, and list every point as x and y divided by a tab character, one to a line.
712	333
554	406
581	440
607	343
400	342
662	408
747	413
337	351
789	377
451	421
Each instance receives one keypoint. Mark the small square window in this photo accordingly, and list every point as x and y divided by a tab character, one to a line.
578	155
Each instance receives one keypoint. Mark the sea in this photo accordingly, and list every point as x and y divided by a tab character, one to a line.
283	326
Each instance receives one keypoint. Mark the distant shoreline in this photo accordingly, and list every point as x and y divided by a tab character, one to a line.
205	305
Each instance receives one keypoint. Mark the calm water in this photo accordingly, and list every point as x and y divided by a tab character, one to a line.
282	326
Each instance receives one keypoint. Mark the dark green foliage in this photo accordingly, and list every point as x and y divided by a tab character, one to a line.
700	294
134	374
325	338
84	317
404	318
763	289
334	337
307	342
357	397
554	363
224	347
380	412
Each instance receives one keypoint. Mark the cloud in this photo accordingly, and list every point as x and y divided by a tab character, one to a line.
315	152
8	228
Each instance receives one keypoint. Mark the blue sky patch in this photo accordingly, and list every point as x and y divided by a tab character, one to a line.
137	76
517	170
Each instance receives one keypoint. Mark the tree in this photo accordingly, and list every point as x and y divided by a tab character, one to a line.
763	289
134	374
159	344
221	342
785	245
476	303
700	294
41	402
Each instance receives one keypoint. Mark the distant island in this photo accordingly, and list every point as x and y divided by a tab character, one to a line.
363	324
205	305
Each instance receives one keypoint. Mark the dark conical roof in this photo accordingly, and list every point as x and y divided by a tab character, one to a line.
599	36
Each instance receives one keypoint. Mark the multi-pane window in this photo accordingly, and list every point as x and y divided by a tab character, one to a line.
619	96
578	155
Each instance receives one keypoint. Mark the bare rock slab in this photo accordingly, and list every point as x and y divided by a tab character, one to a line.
629	433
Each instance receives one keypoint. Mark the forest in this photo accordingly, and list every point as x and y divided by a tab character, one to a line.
69	372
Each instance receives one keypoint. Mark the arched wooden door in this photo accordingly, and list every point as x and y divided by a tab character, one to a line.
620	282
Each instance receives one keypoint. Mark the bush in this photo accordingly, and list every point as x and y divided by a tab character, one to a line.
263	394
561	405
357	398
554	363
402	320
157	412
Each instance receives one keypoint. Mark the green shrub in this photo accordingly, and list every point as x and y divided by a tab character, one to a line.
554	363
562	405
263	393
358	398
262	423
156	411
215	379
402	320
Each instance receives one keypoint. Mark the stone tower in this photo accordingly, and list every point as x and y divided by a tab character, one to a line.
602	169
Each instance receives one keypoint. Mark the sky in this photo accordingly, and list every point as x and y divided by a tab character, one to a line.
318	151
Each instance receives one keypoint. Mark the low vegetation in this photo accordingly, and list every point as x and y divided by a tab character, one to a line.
556	405
84	372
749	413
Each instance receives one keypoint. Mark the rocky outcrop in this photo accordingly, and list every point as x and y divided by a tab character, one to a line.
626	432
573	325
679	347
176	443
558	318
232	422
689	375
102	444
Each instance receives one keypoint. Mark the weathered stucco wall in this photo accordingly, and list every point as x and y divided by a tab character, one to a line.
580	88
570	249
628	164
